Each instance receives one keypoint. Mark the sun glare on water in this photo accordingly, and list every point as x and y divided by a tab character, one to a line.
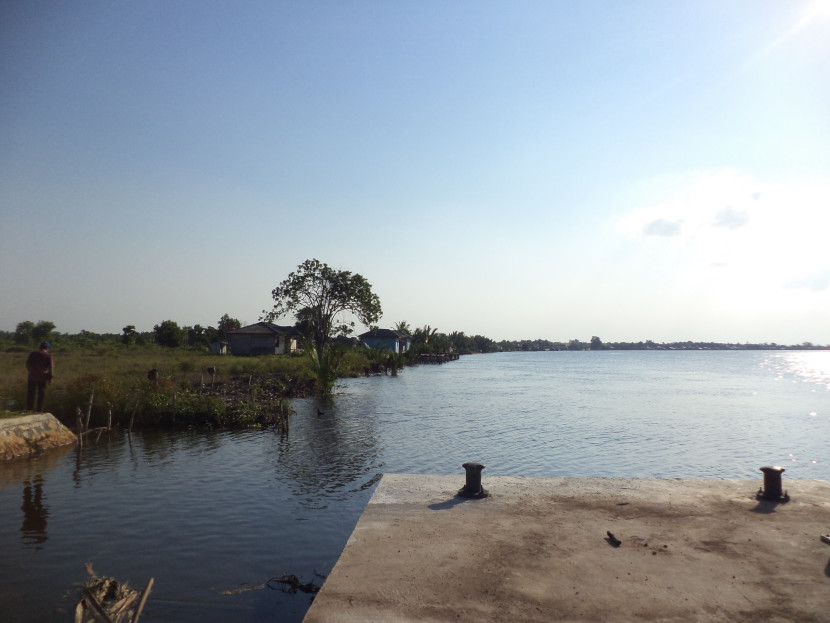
811	367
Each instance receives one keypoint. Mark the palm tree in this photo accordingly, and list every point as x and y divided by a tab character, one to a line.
423	335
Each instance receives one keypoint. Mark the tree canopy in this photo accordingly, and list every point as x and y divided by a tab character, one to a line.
28	332
128	334
226	325
168	333
319	297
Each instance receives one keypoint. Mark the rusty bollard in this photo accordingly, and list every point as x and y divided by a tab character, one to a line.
473	488
772	485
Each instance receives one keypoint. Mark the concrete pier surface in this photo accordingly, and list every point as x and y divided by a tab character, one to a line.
537	549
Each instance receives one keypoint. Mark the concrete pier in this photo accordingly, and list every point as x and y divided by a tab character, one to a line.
538	549
22	435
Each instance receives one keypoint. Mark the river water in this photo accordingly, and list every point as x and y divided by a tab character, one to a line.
211	515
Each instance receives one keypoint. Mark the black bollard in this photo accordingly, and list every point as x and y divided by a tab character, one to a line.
473	488
772	489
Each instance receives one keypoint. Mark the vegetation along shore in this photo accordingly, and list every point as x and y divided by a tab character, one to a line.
180	376
198	388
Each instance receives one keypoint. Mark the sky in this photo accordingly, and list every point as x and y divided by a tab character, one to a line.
520	170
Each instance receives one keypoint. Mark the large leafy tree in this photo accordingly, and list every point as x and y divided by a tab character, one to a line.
28	332
23	332
422	335
226	325
168	333
43	331
128	334
320	296
195	335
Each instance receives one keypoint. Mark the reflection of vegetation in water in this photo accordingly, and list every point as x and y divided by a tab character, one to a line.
331	453
35	512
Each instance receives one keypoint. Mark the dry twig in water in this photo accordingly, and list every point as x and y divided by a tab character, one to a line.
106	601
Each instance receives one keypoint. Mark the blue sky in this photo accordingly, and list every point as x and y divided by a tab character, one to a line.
632	170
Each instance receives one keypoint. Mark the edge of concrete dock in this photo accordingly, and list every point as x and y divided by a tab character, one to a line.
539	549
23	435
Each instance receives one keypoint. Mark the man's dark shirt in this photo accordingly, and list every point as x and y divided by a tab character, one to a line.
39	365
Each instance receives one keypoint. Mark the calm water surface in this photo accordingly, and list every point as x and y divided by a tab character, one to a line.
206	513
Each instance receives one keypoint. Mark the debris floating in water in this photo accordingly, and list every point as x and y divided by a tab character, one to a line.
288	583
104	599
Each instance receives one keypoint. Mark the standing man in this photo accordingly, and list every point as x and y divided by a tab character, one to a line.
41	367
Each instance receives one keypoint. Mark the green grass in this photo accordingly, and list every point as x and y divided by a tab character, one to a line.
118	375
249	391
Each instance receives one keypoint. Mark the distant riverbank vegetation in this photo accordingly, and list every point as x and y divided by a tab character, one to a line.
596	343
169	376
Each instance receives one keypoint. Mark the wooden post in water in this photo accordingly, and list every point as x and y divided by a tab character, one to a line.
132	417
89	407
80	426
109	415
142	601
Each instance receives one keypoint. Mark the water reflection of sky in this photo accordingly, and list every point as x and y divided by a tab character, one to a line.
629	414
199	510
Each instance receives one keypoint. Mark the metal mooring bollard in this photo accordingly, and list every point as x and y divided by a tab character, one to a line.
772	485
473	488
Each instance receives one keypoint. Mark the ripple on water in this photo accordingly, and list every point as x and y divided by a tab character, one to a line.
206	512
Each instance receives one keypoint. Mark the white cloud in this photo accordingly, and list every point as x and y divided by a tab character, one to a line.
815	282
738	231
731	218
663	227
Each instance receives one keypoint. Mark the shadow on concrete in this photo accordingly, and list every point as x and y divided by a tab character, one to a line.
612	540
448	504
767	507
827	568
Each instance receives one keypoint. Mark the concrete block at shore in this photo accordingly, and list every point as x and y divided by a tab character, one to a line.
26	434
583	549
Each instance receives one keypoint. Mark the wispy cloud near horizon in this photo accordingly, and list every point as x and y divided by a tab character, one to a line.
816	282
731	218
663	227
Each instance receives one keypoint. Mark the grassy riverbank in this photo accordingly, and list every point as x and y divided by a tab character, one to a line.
243	391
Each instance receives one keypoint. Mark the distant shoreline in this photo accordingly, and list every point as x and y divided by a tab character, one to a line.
456	341
576	345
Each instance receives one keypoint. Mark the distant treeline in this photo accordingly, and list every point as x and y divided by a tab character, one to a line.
597	344
166	333
424	339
